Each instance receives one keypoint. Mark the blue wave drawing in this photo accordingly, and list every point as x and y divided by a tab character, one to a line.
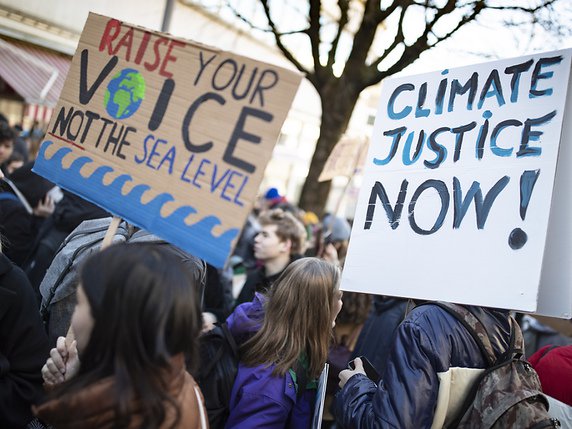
196	239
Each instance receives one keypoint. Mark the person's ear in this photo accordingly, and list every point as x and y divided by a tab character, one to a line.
286	246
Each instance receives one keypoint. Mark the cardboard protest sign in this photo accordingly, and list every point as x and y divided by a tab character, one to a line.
458	182
168	134
344	159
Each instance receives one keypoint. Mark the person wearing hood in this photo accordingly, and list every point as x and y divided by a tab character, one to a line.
284	339
334	238
23	347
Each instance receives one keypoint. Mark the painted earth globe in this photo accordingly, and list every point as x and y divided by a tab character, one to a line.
124	94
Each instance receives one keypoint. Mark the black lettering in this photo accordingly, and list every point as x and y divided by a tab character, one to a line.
393	213
240	134
85	93
189	116
441	188
161	104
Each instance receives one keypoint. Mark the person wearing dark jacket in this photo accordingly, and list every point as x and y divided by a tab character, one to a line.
23	347
217	297
375	338
69	213
22	216
429	342
280	241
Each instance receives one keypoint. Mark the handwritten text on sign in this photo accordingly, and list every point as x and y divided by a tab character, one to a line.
454	154
183	131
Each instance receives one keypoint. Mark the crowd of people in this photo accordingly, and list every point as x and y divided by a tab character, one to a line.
126	344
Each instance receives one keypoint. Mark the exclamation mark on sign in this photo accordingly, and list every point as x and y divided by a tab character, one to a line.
517	238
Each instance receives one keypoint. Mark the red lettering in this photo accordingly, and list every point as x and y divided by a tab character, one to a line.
109	35
127	41
142	47
113	41
169	57
155	64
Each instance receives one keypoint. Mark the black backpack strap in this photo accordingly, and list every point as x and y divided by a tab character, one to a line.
473	326
229	339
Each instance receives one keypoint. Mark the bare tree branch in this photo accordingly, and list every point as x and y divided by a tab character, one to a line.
344	6
386	13
285	51
479	6
314	35
542	5
442	19
413	51
398	39
248	22
364	37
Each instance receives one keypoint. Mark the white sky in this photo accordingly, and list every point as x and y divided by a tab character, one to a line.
489	39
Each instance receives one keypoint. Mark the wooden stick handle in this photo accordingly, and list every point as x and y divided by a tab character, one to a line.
111	230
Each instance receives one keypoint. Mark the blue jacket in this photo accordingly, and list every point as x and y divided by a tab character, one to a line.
428	342
260	399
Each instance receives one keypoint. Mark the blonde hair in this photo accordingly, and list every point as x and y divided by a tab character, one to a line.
298	318
287	228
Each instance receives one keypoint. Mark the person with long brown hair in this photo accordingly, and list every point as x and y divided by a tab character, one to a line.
276	382
137	318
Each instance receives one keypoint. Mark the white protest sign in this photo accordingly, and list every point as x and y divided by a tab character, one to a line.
458	183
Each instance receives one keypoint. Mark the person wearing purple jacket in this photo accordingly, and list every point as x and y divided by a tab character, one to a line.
284	341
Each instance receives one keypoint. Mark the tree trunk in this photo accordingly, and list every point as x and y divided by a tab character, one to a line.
338	104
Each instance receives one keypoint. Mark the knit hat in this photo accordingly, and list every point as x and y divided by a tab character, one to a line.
310	218
339	227
272	194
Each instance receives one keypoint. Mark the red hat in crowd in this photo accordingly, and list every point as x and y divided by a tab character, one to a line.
554	368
